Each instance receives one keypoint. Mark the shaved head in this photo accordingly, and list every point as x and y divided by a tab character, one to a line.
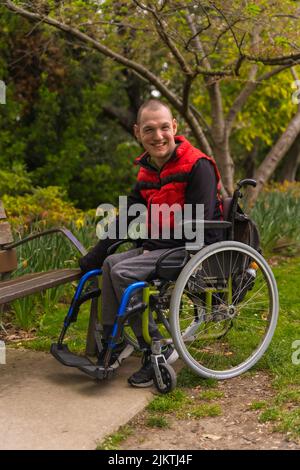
152	105
155	130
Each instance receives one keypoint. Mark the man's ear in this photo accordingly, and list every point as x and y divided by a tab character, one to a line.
136	131
174	124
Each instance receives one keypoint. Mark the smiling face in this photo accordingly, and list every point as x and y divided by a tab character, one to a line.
155	131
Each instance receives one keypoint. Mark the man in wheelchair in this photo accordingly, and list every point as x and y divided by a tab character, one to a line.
171	171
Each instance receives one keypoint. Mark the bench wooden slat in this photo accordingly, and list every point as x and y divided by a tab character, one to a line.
2	211
5	233
36	282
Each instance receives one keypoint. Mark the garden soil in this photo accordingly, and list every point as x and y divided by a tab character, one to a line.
236	428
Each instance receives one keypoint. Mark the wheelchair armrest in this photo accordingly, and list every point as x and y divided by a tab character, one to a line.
208	224
111	249
171	266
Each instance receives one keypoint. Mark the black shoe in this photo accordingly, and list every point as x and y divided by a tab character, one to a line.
116	352
144	376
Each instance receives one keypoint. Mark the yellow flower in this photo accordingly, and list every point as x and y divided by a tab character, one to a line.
80	222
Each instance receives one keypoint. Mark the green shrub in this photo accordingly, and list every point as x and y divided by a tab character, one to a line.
29	213
46	206
14	181
277	214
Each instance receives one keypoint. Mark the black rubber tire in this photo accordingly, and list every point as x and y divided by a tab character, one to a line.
192	357
169	378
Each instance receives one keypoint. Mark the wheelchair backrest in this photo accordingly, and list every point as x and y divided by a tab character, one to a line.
227	204
245	229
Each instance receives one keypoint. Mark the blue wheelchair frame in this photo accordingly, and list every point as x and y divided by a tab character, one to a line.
165	377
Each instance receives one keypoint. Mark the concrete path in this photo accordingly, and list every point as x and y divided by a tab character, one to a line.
44	405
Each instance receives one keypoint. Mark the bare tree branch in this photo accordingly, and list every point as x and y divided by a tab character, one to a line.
195	32
212	86
266	76
194	124
238	65
288	60
229	26
114	23
197	42
201	119
138	68
241	98
208	69
249	88
186	92
122	116
161	30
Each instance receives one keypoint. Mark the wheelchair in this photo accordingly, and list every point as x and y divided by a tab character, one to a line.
218	307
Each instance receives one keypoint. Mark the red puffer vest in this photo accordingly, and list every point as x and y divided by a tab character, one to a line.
168	186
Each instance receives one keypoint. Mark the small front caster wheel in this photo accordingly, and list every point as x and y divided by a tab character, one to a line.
168	376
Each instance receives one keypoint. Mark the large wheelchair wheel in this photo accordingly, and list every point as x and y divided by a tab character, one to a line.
224	310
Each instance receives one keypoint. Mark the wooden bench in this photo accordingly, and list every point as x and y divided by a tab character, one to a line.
22	286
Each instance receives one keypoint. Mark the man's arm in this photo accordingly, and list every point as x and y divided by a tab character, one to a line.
202	189
95	257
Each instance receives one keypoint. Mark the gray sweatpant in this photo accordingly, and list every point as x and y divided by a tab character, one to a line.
118	272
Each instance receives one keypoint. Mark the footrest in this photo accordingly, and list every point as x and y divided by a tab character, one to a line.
67	358
97	372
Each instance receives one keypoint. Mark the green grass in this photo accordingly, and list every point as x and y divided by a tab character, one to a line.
277	361
278	358
157	422
204	410
170	402
187	378
258	405
48	326
290	423
271	414
113	441
184	406
209	395
288	396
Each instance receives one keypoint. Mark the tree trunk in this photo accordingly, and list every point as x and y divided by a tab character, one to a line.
225	164
274	157
249	161
292	162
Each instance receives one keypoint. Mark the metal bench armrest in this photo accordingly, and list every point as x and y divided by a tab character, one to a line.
69	235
